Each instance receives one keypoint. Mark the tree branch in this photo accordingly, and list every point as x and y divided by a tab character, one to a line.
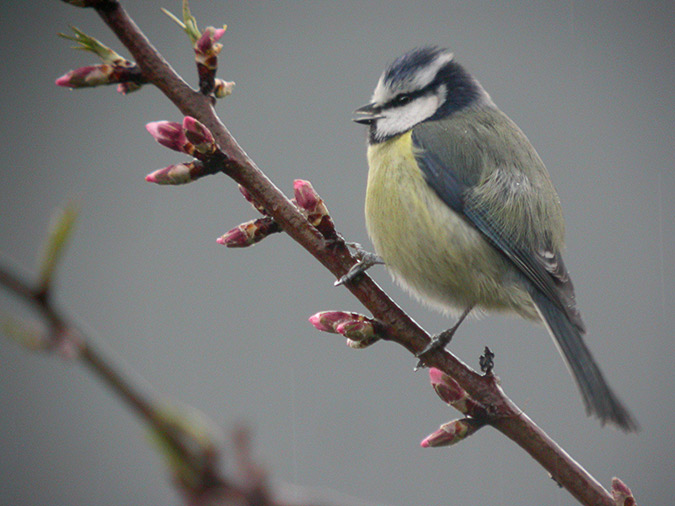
95	360
203	483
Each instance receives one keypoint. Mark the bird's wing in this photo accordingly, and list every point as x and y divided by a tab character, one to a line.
480	189
544	267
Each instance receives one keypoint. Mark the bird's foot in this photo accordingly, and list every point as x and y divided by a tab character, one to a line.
438	342
366	261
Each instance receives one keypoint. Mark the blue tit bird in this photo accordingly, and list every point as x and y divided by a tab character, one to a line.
462	210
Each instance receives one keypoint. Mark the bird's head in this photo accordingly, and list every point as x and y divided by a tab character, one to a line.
424	84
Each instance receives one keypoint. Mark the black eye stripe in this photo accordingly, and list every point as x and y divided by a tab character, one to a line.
404	98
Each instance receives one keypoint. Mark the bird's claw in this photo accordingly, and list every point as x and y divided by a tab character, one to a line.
366	260
436	343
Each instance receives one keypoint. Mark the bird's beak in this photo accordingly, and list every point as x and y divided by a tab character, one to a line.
367	114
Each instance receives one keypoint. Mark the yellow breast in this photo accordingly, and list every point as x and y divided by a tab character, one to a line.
429	249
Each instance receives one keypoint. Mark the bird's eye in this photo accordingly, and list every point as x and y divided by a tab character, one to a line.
402	100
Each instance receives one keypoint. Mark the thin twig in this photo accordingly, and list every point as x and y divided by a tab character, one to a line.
93	358
214	487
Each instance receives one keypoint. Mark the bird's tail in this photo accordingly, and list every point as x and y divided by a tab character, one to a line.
598	396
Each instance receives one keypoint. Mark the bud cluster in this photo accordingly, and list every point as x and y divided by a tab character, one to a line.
206	47
360	330
254	231
190	137
454	431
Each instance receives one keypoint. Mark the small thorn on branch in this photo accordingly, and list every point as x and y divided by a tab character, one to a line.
486	361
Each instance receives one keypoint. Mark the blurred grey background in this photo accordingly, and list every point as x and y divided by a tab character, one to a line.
226	331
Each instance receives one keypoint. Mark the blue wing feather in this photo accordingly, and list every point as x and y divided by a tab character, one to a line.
544	269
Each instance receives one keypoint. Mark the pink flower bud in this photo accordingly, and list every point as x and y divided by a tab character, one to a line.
313	207
236	238
249	233
359	333
206	56
206	44
181	173
450	392
218	33
356	330
305	195
92	75
199	136
446	387
206	41
451	433
169	134
360	330
621	493
327	321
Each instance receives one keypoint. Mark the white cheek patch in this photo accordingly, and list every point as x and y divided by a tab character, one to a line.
401	119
